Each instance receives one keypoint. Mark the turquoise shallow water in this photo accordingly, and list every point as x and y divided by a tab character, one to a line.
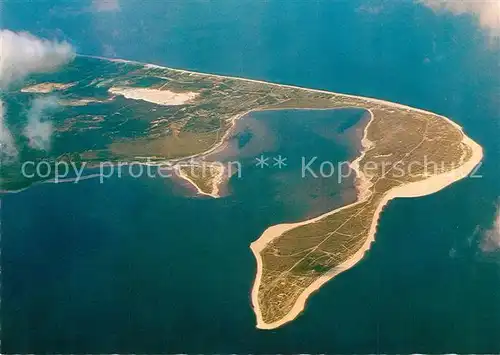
133	266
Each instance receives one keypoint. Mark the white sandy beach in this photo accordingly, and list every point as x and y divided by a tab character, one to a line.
46	88
159	97
80	102
215	183
416	189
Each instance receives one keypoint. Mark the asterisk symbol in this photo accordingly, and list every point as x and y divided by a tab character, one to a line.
280	162
262	161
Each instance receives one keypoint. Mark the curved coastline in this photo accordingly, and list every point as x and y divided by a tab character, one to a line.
415	189
420	188
216	183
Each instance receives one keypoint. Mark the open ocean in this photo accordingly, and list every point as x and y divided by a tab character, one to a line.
140	266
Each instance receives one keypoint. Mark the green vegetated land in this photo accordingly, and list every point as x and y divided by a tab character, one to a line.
93	125
204	175
405	146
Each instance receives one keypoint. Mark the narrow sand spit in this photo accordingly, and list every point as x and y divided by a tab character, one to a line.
217	181
46	88
159	97
415	189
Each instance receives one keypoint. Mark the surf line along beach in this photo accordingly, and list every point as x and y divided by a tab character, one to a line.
423	187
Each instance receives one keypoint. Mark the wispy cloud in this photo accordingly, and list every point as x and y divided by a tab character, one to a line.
370	9
486	11
22	54
106	5
8	150
39	128
491	241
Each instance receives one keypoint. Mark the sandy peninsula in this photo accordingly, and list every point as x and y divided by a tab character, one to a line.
295	97
428	186
46	88
217	171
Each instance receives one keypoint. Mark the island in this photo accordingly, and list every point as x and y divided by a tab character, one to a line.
124	111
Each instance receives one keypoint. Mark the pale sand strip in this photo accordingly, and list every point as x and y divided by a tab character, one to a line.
415	189
46	88
215	183
159	97
53	181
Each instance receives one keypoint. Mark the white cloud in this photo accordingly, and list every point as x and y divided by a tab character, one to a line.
22	54
106	5
370	9
486	11
491	240
8	150
39	128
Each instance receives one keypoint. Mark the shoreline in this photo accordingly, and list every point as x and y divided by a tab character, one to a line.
234	119
215	183
420	188
364	98
424	187
74	180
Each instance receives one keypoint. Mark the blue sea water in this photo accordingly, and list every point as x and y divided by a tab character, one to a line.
135	266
